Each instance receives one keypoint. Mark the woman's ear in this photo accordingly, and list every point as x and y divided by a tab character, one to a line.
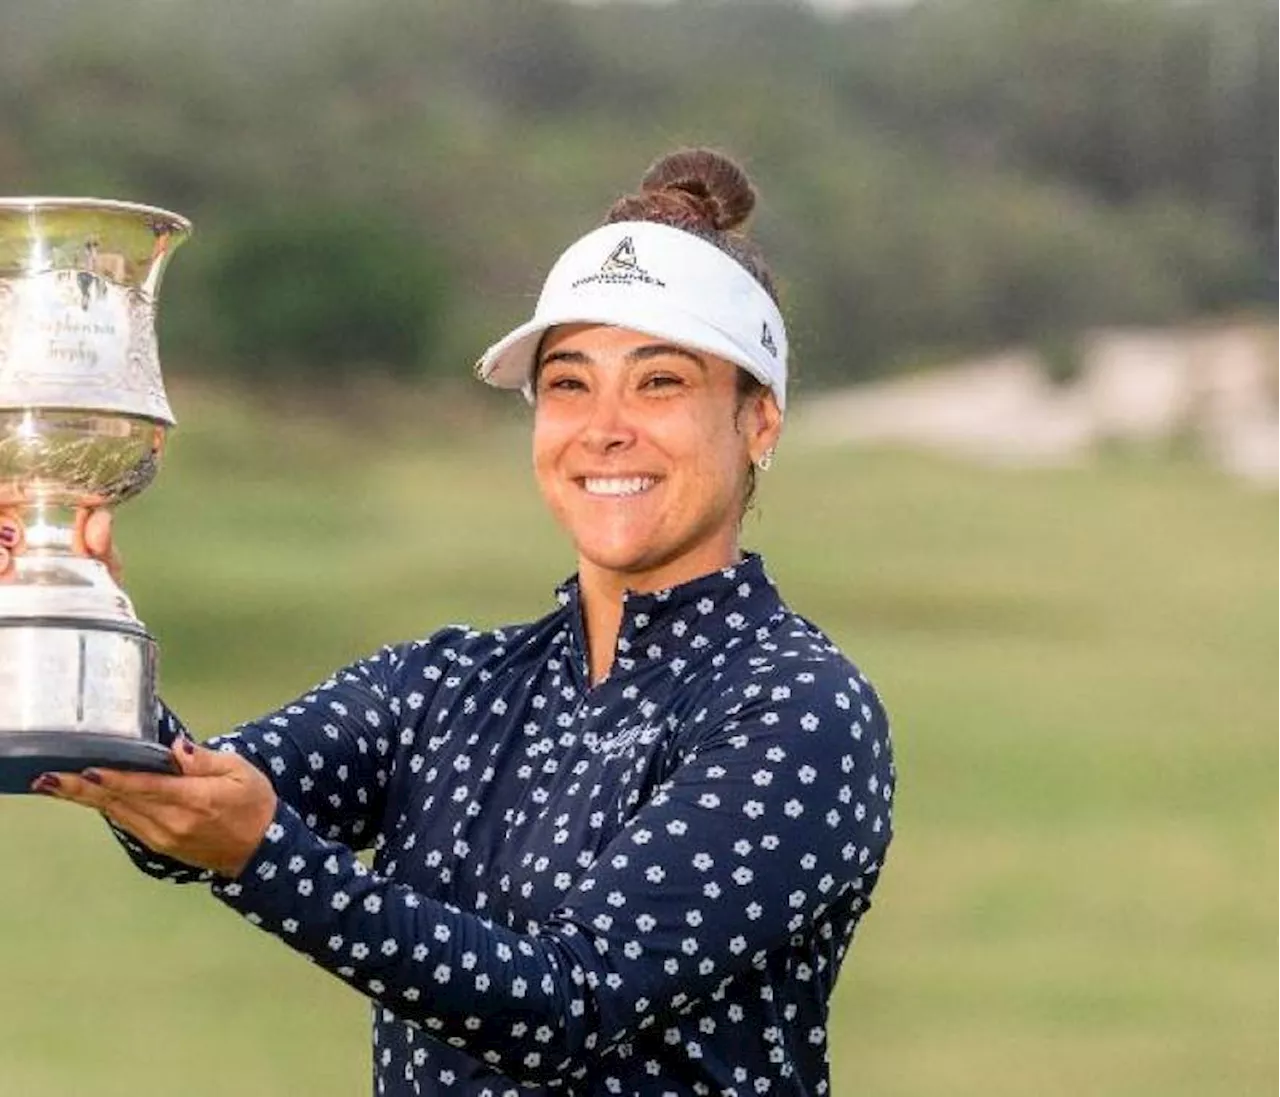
763	423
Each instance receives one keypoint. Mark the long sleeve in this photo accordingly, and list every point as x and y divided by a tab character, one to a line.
326	753
776	817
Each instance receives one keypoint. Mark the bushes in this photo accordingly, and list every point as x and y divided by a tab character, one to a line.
329	291
922	260
937	177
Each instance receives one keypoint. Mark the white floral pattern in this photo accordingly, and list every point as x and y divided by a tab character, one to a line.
646	887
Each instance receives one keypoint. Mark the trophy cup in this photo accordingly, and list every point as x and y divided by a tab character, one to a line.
83	417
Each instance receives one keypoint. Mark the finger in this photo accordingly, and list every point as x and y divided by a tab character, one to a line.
93	538
143	827
77	531
73	788
94	787
97	533
195	760
149	816
168	826
10	542
10	532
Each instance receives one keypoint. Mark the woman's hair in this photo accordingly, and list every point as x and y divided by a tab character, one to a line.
704	193
707	194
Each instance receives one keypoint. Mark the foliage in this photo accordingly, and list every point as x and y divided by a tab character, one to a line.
326	291
937	176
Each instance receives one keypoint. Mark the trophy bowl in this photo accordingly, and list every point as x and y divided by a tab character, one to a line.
83	420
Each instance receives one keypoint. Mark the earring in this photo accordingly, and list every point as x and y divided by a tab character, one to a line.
765	461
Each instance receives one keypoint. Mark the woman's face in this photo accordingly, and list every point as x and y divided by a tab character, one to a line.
641	449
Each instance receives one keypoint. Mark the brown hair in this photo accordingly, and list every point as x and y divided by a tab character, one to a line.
704	193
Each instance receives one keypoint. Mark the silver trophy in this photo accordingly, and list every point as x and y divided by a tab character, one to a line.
83	417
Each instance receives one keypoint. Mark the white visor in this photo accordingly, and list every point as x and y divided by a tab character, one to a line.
659	280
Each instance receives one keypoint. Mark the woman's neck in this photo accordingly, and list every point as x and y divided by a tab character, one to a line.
602	591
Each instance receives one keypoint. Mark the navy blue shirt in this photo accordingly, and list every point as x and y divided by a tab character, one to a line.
641	887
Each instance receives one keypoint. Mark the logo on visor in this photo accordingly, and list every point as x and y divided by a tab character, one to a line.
621	268
766	340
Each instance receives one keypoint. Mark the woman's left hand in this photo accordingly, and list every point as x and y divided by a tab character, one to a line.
213	816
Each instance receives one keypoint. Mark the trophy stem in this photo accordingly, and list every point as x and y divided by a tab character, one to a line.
52	580
49	528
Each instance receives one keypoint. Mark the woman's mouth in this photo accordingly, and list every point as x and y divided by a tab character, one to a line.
617	486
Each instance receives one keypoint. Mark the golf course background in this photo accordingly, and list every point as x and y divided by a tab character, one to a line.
1080	666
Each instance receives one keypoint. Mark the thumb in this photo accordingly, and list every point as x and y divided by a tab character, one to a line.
97	533
93	532
195	760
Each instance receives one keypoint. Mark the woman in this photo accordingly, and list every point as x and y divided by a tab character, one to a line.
621	849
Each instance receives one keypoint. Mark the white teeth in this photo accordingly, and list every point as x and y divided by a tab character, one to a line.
634	485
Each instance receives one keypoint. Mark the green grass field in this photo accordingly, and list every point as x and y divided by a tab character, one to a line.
1081	668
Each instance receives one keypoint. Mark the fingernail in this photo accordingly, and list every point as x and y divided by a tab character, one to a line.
188	745
45	782
92	776
8	534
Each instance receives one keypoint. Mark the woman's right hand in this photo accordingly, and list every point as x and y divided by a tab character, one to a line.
92	538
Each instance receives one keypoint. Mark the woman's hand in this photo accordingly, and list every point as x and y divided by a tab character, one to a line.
213	816
92	538
10	542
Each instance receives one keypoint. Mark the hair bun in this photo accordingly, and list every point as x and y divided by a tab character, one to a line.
709	178
694	189
704	192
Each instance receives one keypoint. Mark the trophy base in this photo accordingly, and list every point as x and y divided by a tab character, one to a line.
24	757
67	674
75	694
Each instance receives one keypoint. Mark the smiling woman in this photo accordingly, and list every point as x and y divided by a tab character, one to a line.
641	450
619	850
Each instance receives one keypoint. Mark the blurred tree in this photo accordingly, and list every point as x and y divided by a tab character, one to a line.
937	176
334	292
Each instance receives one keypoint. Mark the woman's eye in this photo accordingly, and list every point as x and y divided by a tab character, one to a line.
663	380
564	384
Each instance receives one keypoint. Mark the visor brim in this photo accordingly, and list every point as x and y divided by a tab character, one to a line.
509	363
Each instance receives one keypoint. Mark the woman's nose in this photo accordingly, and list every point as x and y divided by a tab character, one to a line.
609	426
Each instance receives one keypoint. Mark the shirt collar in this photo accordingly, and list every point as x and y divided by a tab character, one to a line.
685	624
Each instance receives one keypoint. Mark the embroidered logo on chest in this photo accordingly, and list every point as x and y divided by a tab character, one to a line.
622	740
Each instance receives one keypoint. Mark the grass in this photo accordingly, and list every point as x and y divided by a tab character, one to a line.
1081	667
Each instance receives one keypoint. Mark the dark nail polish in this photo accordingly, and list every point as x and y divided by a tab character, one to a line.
92	776
8	536
188	745
45	782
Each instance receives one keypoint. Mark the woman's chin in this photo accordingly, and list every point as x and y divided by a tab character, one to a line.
651	564
623	559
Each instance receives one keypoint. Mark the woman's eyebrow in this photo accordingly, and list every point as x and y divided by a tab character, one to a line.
576	357
662	350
